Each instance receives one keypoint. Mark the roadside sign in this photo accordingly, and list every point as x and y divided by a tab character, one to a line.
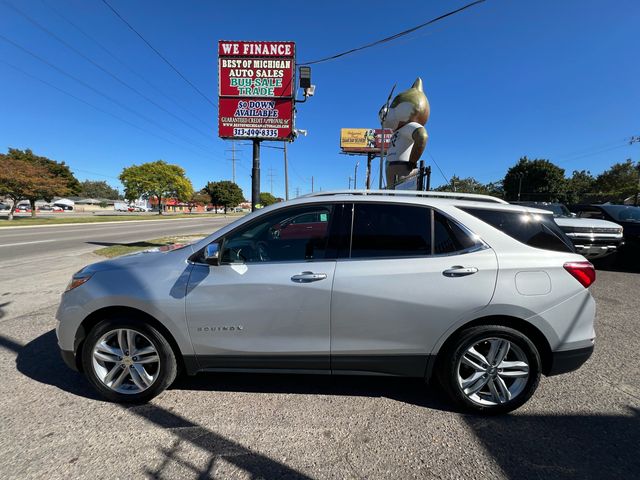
255	118
256	86
363	140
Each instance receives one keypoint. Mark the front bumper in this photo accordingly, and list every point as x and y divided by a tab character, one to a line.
69	358
569	360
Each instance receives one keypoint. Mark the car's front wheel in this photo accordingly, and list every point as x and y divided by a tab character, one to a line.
127	361
490	369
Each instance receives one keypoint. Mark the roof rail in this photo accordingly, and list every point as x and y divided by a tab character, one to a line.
407	193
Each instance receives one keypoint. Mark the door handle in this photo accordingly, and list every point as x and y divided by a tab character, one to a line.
308	277
459	271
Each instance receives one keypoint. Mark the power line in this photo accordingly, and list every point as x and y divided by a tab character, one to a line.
90	87
438	166
115	12
45	82
102	69
127	67
392	37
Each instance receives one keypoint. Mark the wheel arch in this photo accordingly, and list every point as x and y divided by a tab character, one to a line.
95	317
522	326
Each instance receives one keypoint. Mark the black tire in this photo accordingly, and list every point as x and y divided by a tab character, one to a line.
166	372
448	362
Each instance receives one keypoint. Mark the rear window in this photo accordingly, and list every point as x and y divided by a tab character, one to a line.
539	231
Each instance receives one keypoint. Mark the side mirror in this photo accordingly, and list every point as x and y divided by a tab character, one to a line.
212	254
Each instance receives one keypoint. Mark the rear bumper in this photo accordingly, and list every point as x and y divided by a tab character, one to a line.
569	360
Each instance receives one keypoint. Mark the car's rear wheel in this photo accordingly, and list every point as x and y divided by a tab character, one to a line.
128	362
490	369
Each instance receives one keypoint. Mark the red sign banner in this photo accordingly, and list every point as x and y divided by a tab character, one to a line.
256	77
256	49
255	118
256	86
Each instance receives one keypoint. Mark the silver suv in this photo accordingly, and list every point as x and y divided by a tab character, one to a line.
482	296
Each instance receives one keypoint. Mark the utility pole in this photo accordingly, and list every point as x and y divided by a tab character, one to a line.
286	173
311	183
233	160
349	182
255	175
297	192
271	175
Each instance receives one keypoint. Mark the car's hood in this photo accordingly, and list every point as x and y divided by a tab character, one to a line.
139	259
585	222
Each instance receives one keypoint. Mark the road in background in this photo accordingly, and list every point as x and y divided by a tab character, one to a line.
18	242
36	262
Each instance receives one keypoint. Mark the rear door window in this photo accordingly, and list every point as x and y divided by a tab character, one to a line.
539	231
390	230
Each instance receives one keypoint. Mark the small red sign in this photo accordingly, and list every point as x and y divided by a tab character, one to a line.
232	48
266	118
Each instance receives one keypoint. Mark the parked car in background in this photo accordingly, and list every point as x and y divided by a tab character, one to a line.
50	208
628	216
593	237
483	295
23	207
4	206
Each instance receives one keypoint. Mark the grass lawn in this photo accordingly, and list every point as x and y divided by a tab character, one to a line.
122	249
25	221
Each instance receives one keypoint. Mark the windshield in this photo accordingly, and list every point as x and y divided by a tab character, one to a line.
623	213
558	209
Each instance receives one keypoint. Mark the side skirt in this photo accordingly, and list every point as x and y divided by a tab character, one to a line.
393	365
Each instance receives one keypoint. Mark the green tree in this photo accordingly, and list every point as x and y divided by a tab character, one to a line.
98	189
471	185
159	180
64	184
224	193
22	179
536	180
618	182
579	186
267	199
199	198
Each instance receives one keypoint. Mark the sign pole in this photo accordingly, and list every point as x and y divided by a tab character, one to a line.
381	155
368	181
286	173
255	175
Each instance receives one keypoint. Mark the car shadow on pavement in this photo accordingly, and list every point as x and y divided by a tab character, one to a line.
413	391
40	360
562	446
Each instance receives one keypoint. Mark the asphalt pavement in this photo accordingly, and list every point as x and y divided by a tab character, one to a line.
585	424
17	242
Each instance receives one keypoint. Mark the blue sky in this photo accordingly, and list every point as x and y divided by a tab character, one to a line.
546	78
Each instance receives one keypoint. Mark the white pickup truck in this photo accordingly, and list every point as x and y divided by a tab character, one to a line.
592	238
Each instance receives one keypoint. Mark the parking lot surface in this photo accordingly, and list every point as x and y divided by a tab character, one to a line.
584	424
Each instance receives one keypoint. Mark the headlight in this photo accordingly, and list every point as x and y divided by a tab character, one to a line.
78	279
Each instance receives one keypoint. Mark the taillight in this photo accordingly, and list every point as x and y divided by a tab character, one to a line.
582	271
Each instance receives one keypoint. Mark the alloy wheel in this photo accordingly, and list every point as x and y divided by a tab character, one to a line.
125	361
492	371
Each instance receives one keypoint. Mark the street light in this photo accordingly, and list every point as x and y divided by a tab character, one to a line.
355	176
